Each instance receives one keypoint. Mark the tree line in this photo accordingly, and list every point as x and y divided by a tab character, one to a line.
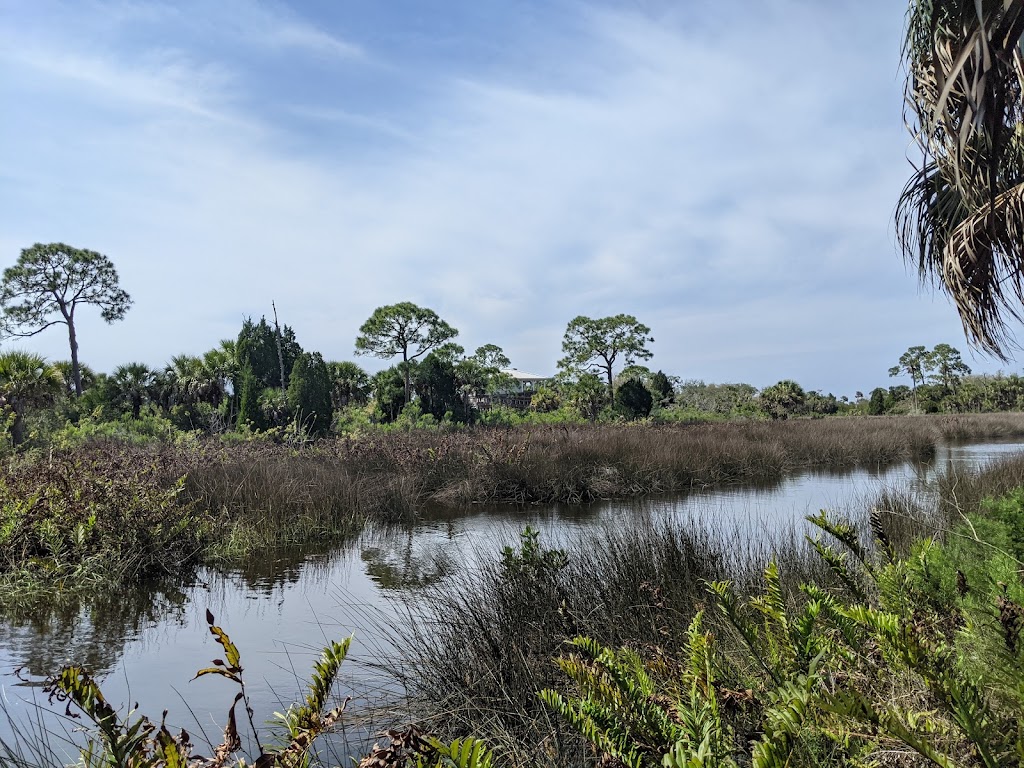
264	380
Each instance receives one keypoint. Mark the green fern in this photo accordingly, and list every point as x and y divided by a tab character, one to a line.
304	723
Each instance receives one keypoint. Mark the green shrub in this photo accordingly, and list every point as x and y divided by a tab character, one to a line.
99	513
633	399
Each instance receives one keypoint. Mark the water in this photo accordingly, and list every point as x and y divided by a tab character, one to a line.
146	646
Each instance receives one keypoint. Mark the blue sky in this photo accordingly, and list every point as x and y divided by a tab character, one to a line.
725	172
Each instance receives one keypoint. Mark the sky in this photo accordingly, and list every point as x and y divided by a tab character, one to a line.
725	172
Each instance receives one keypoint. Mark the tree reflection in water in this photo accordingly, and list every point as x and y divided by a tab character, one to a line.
93	633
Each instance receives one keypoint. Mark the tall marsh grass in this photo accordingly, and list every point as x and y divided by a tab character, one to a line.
107	508
482	644
478	647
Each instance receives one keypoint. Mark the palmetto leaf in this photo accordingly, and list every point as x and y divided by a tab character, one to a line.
959	218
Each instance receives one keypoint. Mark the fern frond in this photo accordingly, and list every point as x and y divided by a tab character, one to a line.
836	562
845	534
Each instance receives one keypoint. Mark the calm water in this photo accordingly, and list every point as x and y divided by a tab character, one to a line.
145	647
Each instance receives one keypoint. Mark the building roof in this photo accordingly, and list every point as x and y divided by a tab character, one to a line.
518	375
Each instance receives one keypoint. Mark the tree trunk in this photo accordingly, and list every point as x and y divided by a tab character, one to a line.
18	426
408	382
611	386
280	354
76	373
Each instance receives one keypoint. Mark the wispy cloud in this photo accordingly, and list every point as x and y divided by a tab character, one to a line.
164	79
699	173
276	26
354	119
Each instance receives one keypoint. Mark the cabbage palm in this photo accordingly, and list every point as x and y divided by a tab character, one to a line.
188	378
961	216
66	369
221	366
132	383
349	384
26	380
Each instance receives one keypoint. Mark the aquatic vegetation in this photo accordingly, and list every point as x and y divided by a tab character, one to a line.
135	741
896	638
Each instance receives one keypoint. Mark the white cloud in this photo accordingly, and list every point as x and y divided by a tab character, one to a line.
276	26
715	184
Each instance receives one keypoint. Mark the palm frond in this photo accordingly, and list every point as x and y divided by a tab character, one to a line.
958	219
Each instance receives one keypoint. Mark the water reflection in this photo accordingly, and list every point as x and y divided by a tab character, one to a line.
48	636
283	606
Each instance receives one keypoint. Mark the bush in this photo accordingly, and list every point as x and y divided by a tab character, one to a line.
96	513
633	399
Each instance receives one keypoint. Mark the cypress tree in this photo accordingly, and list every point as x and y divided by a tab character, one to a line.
309	393
257	347
249	411
876	406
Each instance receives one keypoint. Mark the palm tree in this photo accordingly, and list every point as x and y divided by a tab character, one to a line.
66	370
188	379
26	380
131	383
221	366
349	384
961	216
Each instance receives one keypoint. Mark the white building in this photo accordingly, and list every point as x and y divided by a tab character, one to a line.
523	382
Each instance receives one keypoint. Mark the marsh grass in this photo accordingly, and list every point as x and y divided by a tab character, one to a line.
478	647
390	476
107	510
482	644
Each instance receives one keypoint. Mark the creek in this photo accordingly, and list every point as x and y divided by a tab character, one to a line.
145	645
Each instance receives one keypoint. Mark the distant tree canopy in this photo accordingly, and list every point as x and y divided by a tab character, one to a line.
403	329
256	348
586	394
661	388
876	405
724	399
47	286
388	388
942	366
591	344
437	387
782	400
130	385
945	366
350	384
912	363
249	412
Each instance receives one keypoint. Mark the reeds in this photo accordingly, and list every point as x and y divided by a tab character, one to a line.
481	644
479	647
133	511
